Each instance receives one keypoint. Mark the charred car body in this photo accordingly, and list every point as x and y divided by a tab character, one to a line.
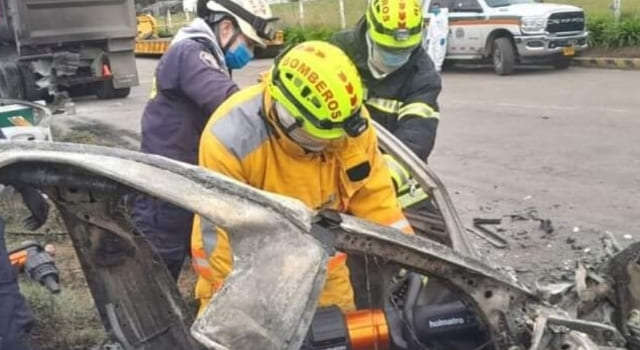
267	305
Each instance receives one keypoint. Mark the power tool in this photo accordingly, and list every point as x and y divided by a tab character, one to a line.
39	265
400	325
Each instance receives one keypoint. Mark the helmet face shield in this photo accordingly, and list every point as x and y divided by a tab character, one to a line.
391	58
252	17
266	28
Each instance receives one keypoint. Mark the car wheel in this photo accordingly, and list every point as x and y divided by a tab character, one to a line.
104	90
504	56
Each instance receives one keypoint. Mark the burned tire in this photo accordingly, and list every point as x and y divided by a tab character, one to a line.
504	56
104	90
10	81
562	64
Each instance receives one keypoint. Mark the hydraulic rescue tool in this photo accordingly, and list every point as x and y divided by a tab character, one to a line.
401	325
37	263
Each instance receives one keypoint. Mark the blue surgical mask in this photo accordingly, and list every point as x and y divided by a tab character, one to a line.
238	56
386	61
393	60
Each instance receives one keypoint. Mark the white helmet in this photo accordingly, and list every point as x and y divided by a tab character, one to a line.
253	16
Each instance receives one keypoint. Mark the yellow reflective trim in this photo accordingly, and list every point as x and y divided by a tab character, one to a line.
384	105
209	236
154	89
400	224
202	263
418	109
410	198
398	173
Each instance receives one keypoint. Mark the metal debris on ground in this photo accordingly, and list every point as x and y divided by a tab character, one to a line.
546	225
634	322
611	245
487	234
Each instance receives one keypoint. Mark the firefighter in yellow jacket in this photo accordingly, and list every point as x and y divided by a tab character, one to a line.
303	133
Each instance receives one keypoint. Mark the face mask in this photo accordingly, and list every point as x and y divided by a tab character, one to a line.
386	61
238	56
389	59
297	134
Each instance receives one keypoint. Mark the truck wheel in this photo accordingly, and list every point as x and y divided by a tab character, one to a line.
31	91
504	56
562	63
10	81
104	90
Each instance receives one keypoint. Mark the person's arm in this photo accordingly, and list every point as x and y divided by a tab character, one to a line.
215	156
37	205
376	201
34	201
419	115
192	72
16	318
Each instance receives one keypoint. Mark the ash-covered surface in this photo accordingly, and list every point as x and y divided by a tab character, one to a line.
541	247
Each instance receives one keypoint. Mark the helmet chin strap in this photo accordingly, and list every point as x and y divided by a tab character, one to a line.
216	31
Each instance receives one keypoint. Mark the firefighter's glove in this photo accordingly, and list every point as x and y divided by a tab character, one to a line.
38	207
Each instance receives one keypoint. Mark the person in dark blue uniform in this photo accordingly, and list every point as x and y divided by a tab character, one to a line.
16	318
192	80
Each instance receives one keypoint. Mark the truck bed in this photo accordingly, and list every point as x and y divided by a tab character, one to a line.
59	21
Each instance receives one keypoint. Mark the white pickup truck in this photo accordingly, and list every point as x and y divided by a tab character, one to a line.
513	31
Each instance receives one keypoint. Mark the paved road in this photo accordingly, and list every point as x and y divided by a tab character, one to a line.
567	143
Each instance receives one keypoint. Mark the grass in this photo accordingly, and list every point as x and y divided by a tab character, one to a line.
178	20
68	320
630	8
319	13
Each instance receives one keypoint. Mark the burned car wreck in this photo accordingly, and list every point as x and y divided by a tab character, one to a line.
268	304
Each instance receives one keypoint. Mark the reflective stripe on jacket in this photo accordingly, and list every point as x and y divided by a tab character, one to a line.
405	101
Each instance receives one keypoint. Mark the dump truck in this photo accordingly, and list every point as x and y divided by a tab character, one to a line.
149	43
56	46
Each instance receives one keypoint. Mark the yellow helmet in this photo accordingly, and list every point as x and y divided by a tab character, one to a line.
395	24
320	87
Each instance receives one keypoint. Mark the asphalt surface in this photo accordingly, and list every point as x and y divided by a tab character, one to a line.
565	143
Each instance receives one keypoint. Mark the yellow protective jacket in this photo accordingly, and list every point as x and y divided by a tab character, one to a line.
242	142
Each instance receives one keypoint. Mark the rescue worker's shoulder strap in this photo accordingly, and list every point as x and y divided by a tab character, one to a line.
359	153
